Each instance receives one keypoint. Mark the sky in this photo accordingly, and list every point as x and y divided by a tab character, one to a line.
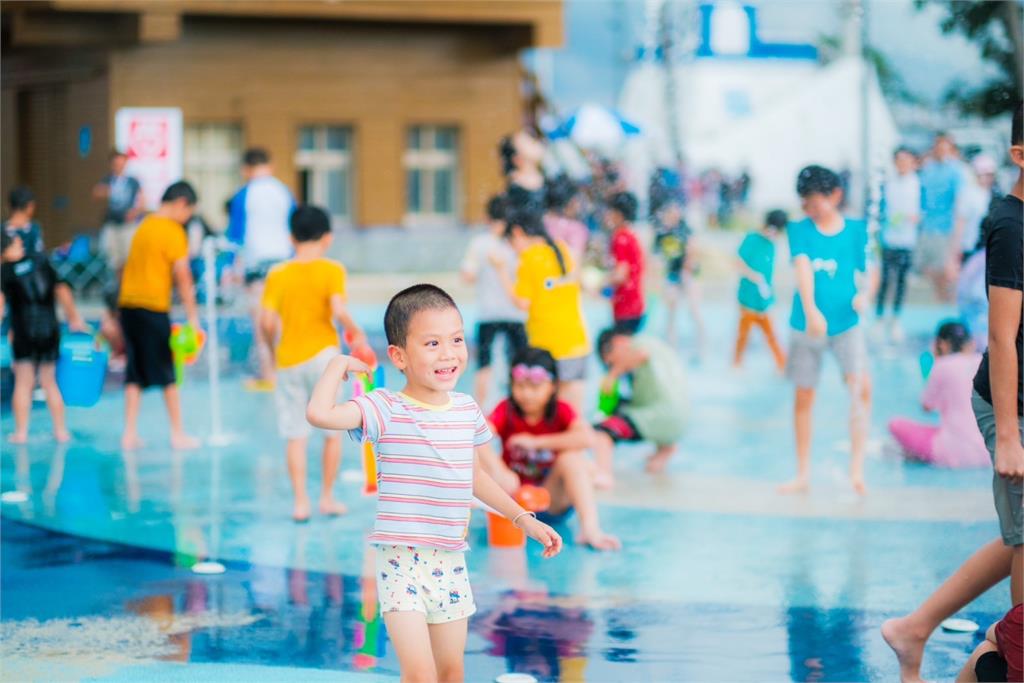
601	37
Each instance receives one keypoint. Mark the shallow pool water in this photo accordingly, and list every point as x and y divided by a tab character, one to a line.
711	584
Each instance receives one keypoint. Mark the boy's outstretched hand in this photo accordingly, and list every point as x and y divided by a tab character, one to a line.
543	534
343	365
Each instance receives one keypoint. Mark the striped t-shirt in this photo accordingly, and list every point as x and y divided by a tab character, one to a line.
424	467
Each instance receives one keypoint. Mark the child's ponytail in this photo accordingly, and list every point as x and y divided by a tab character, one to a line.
530	222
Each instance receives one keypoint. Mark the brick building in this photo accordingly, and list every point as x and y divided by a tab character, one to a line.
386	111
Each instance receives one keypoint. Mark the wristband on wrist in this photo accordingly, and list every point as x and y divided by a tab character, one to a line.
515	520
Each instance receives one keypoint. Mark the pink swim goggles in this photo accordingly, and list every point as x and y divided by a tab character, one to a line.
531	373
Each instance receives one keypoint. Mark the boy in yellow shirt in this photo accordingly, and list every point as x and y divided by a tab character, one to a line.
302	299
157	261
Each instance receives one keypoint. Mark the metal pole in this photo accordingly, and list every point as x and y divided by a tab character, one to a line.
865	108
217	436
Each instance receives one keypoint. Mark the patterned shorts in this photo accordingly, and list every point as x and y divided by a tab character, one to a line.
428	580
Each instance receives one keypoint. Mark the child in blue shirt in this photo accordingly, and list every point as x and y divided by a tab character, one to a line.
829	255
756	264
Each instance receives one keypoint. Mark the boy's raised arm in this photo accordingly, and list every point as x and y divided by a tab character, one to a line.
323	411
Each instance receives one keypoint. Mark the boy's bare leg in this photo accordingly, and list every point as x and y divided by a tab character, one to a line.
264	351
860	414
657	461
331	463
908	635
180	441
21	399
570	484
132	399
409	634
54	401
295	454
802	412
604	448
481	384
448	644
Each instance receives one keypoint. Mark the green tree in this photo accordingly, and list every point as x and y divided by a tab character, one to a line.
995	27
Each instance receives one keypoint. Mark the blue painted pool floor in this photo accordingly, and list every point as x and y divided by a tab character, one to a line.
96	580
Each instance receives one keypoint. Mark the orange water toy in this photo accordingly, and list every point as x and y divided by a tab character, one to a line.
501	532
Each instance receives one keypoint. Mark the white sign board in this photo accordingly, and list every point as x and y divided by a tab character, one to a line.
152	139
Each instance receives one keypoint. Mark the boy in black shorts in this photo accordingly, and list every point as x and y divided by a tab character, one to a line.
157	262
29	288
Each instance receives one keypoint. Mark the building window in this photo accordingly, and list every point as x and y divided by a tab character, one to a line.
213	165
324	163
431	174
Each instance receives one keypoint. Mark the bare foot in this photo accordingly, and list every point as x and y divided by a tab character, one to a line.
798	485
859	487
131	442
656	463
300	513
599	540
908	646
184	442
332	508
18	438
61	436
603	481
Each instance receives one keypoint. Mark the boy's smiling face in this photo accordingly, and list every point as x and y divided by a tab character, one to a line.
821	207
435	353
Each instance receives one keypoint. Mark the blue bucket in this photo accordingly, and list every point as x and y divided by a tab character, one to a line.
81	370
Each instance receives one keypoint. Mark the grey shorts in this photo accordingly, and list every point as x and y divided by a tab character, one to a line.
292	392
931	252
803	365
572	369
1006	494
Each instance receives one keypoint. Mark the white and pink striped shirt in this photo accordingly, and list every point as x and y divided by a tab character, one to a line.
424	467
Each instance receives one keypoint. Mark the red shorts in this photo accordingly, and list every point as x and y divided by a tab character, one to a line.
619	428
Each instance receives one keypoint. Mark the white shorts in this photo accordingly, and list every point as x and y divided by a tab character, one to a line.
116	242
292	392
431	581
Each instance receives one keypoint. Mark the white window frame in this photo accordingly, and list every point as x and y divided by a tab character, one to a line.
213	160
320	160
428	158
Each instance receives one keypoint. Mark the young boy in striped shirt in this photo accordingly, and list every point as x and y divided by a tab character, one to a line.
426	436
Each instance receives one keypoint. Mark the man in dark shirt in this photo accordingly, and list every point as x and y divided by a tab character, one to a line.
124	206
998	409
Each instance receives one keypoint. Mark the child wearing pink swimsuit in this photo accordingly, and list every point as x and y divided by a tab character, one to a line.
956	441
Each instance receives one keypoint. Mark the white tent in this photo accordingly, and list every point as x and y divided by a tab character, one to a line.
769	118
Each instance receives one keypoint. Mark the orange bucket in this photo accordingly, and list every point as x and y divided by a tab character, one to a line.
502	533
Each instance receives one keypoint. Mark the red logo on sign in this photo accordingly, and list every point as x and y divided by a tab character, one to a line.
148	139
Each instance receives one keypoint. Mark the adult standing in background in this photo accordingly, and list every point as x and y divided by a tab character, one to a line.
941	182
125	204
258	222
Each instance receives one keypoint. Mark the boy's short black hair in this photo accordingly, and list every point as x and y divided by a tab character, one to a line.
777	219
255	156
497	207
817	180
1017	128
407	303
309	223
20	197
625	203
115	153
903	149
604	340
180	190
